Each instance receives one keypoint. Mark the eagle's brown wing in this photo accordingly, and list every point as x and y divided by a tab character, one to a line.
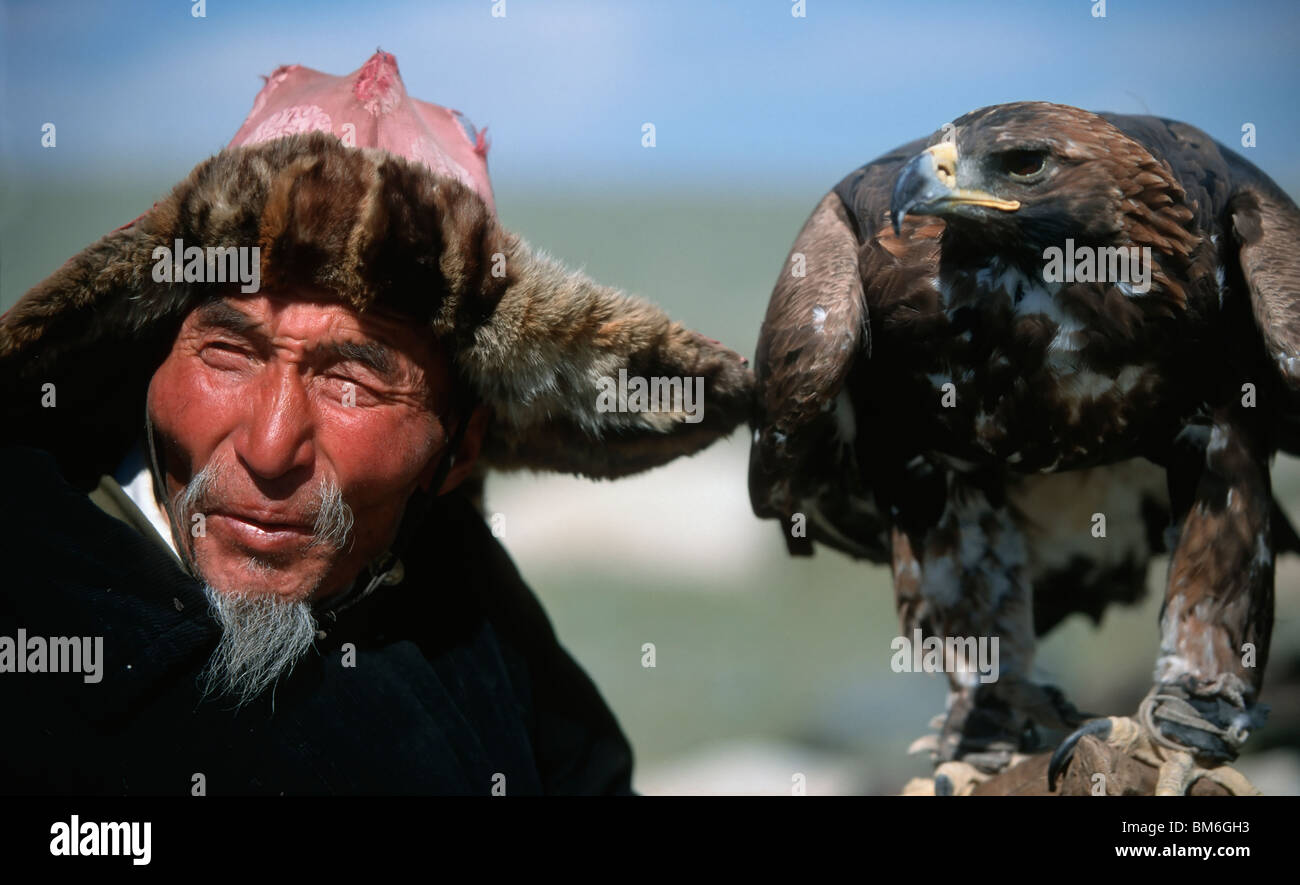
816	327
1266	227
803	467
1233	197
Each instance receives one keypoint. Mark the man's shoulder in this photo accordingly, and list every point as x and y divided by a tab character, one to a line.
72	566
26	471
44	515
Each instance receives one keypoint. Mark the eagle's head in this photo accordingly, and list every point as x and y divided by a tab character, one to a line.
1030	175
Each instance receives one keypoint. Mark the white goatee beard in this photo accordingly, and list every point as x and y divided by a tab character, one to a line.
262	637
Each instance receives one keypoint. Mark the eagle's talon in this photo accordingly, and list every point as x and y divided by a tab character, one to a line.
1100	728
950	779
991	728
926	743
955	778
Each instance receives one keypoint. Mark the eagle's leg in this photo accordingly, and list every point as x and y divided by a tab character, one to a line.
962	582
1216	620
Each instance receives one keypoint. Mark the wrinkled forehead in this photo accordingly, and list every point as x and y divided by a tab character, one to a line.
318	316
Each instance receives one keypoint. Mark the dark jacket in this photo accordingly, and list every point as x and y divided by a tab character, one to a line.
458	677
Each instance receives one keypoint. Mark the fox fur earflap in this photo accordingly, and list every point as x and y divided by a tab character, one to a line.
548	349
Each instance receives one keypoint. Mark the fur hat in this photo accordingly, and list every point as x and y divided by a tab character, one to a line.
537	343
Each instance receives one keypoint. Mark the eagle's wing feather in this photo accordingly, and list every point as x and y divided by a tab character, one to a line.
1266	225
816	326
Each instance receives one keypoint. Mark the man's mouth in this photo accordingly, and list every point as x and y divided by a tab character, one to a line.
261	533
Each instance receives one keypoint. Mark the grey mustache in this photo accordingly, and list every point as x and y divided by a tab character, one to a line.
332	518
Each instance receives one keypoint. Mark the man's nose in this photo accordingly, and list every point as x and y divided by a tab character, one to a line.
277	433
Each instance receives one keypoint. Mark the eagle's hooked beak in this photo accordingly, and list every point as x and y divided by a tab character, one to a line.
928	185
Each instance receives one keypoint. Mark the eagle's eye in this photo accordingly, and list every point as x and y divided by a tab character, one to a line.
1022	164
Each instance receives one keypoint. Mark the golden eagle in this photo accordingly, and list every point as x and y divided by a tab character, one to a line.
1015	360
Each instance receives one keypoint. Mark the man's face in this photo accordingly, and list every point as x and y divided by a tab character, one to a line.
293	412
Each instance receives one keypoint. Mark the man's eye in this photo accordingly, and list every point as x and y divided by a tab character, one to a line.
1023	164
224	353
348	388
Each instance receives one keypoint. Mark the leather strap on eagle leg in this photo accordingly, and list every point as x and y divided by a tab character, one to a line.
1169	703
1178	766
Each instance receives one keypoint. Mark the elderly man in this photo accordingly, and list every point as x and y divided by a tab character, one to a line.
244	437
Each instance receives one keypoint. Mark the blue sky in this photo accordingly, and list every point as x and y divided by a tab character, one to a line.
744	96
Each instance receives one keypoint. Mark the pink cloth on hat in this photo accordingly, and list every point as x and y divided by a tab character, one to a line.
369	108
